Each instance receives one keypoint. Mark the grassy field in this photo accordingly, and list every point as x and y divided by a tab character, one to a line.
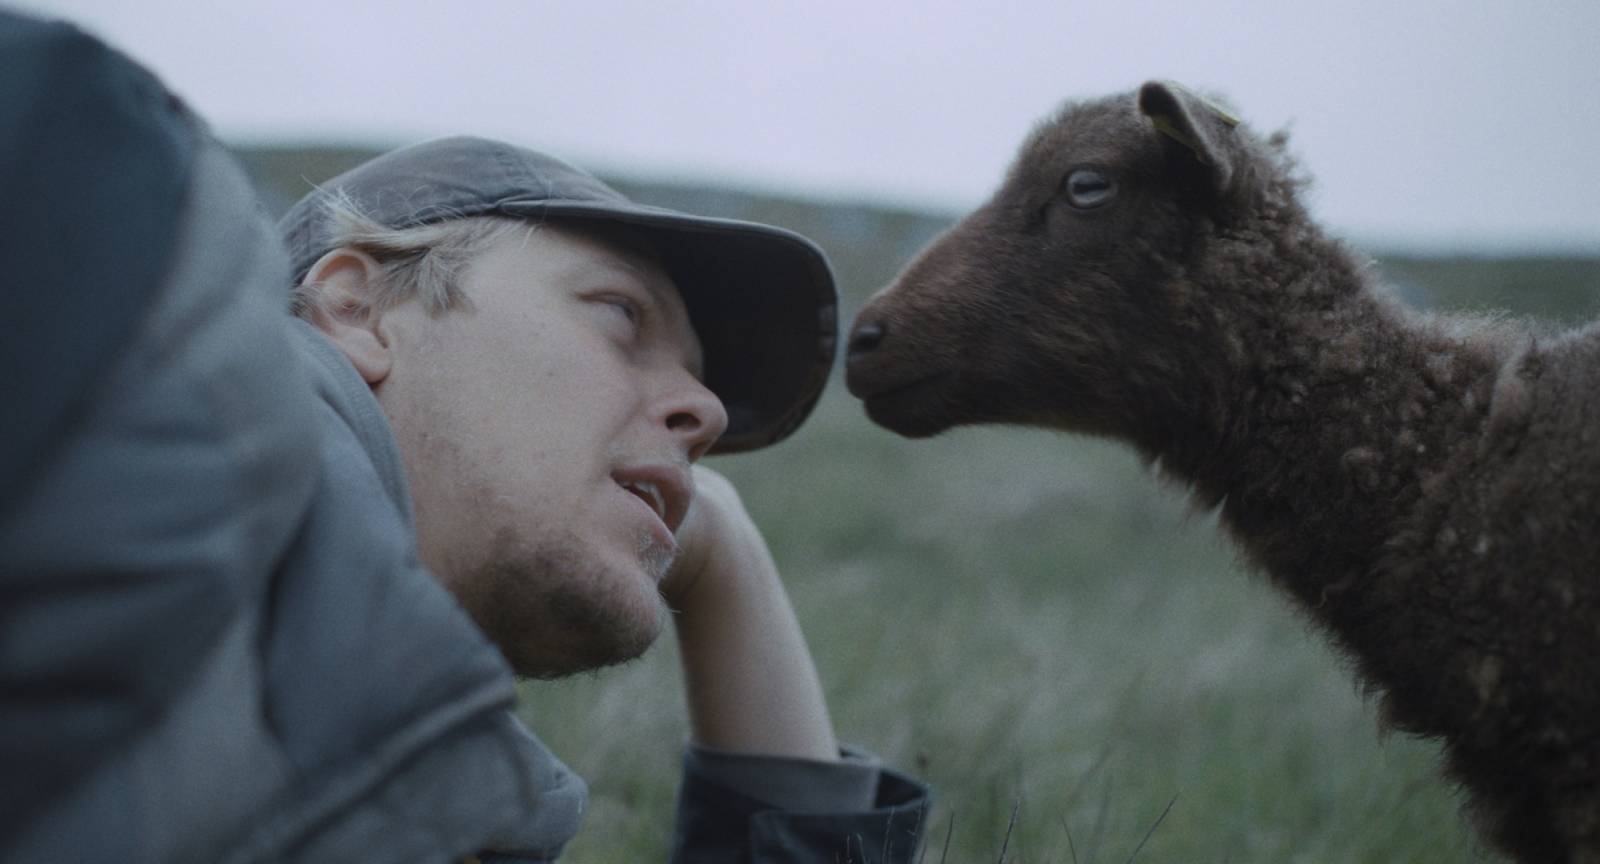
1031	622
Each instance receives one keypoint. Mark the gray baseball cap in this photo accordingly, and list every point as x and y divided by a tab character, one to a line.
761	298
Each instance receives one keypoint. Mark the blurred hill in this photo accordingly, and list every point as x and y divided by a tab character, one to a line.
868	244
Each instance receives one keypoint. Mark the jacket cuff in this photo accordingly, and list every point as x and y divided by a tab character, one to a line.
718	823
790	783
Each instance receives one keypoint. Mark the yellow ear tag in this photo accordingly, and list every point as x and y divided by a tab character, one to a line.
1222	115
1213	107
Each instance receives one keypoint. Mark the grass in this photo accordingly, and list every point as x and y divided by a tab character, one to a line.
1047	634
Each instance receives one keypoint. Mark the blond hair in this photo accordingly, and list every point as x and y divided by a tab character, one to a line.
422	262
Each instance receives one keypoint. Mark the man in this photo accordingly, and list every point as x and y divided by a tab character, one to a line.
239	561
523	329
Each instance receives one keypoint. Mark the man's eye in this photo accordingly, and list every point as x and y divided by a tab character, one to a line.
627	311
628	308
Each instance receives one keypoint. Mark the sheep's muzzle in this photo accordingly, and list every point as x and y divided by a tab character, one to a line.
903	396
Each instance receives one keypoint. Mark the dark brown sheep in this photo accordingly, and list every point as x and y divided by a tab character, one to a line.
1427	487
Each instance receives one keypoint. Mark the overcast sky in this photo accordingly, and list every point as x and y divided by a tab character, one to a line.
1457	124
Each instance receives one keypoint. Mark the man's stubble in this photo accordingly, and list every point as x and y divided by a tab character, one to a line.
554	607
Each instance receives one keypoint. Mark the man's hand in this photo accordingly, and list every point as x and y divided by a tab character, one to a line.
716	525
751	685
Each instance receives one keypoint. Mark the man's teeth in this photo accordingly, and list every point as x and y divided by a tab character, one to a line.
652	495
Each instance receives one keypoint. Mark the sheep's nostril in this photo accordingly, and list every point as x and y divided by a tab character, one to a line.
866	338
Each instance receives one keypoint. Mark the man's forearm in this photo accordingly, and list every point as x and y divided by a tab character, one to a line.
752	687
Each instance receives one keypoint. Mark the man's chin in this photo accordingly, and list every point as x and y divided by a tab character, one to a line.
543	658
555	610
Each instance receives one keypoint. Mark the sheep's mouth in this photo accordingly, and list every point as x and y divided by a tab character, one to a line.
893	389
915	409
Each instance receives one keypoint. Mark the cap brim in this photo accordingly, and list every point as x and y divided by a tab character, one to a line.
761	299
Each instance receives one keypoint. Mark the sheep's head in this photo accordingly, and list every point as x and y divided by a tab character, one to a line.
1059	302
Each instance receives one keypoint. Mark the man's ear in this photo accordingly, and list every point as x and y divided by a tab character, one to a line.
1186	118
345	281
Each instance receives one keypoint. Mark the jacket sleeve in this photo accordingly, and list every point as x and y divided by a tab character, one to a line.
151	439
756	809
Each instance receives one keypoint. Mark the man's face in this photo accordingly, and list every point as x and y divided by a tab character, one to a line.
547	430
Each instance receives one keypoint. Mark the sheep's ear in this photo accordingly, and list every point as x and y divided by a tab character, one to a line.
1190	120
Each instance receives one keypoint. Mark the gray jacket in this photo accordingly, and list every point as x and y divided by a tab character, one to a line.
217	642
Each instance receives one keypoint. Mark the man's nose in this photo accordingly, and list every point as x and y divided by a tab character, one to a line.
696	417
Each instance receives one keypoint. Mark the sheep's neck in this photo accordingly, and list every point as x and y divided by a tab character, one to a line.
1342	404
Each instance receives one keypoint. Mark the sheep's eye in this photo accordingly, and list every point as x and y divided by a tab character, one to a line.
1088	188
